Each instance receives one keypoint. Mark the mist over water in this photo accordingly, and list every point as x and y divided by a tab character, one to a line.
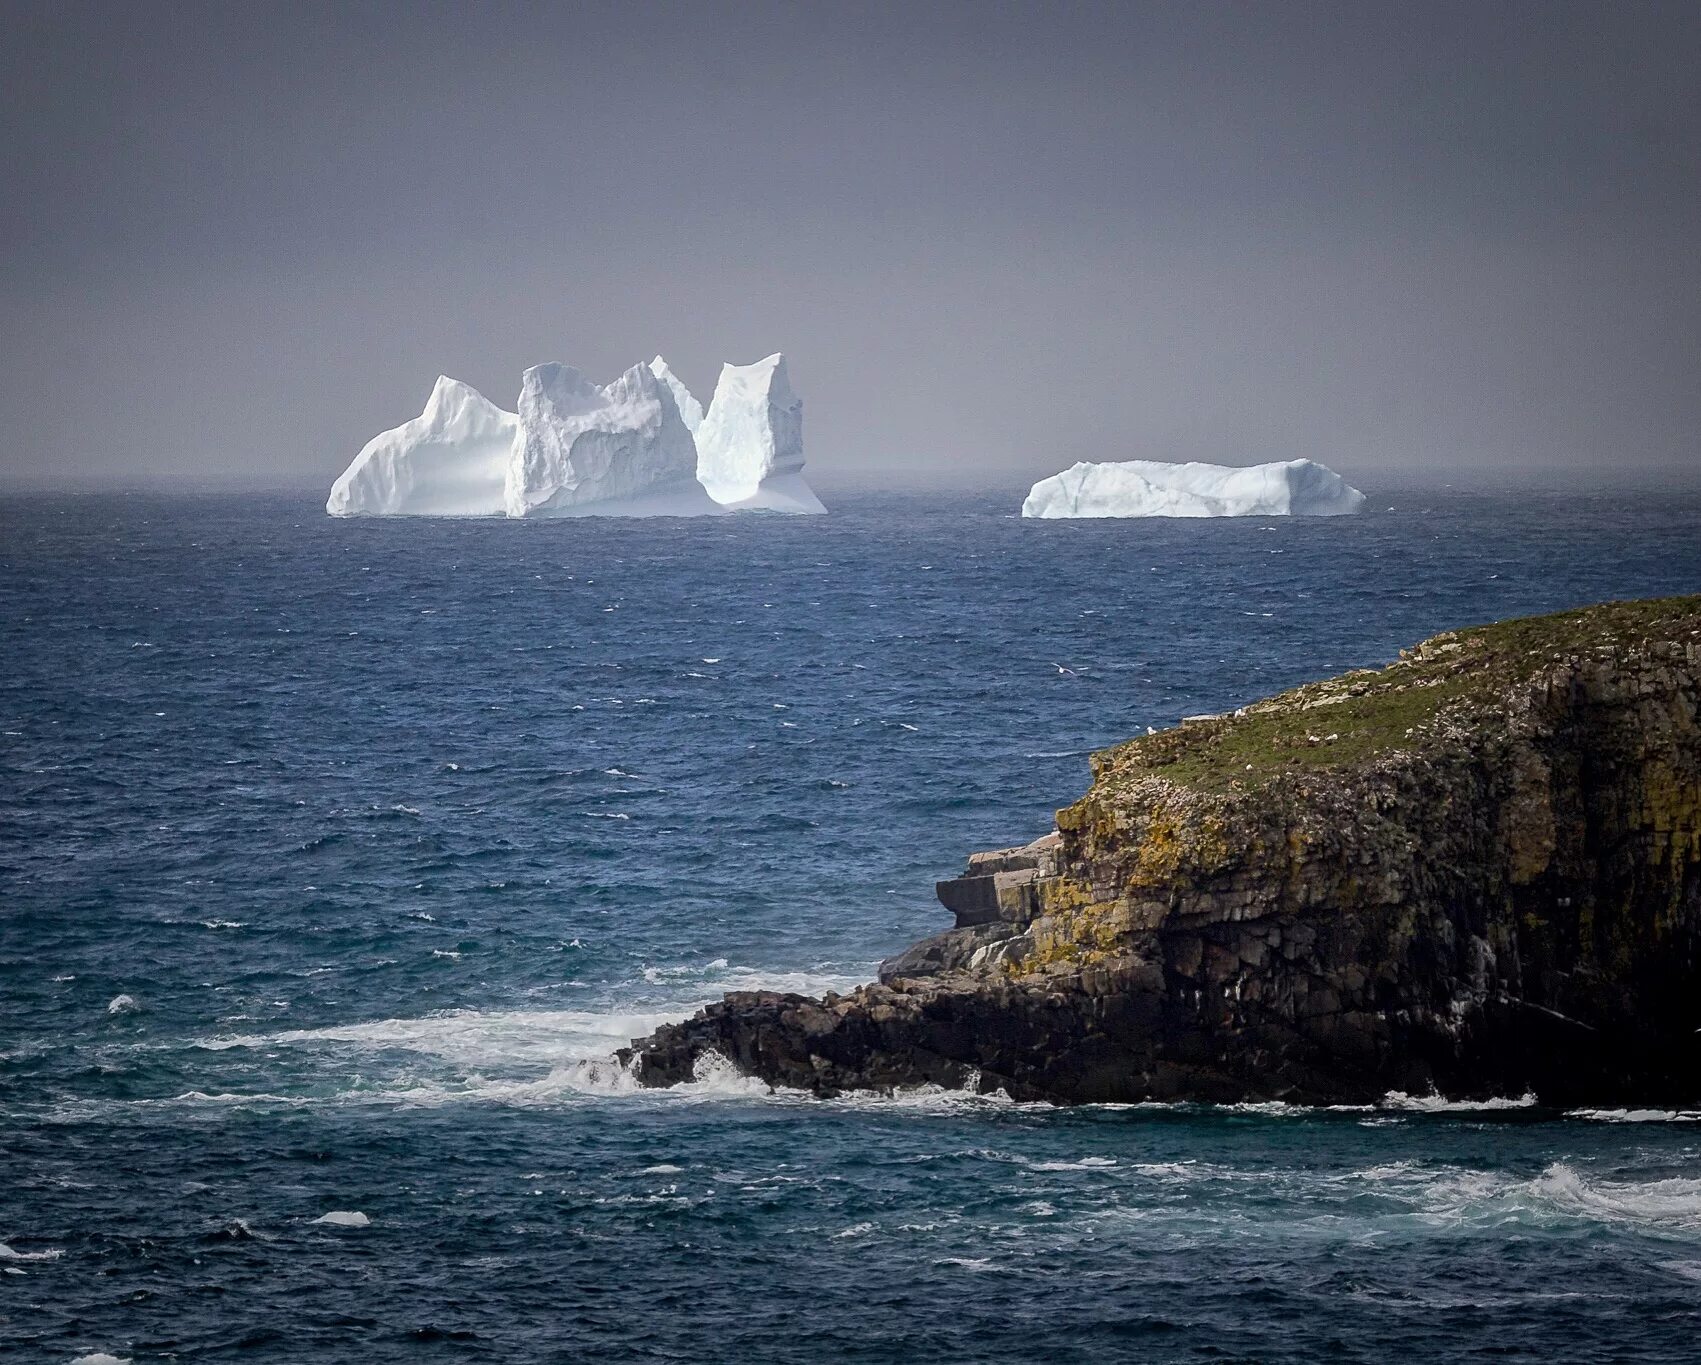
340	856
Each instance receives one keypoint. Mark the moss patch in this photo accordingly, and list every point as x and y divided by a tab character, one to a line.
1448	682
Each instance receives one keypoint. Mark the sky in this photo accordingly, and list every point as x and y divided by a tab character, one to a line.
1410	240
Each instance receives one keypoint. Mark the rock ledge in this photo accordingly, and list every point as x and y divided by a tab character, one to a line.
1476	871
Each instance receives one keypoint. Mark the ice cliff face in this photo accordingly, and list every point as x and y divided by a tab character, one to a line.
450	461
690	410
750	443
588	450
1151	488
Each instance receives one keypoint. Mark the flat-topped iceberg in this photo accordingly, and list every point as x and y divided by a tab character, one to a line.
450	461
1151	488
587	450
750	443
641	446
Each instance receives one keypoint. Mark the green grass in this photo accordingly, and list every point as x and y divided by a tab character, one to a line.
1462	676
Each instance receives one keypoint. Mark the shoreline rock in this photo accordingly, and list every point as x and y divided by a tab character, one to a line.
1477	872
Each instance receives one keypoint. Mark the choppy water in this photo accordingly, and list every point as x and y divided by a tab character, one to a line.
336	857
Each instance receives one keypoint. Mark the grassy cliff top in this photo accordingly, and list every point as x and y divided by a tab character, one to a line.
1370	712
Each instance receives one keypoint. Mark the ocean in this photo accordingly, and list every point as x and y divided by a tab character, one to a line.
337	857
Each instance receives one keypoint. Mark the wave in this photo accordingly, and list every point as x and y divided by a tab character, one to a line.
472	1037
1560	1193
517	1057
1684	1270
1439	1104
1636	1115
932	1100
1673	1203
7	1254
1395	1102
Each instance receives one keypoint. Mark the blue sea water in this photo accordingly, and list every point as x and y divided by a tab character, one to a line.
337	857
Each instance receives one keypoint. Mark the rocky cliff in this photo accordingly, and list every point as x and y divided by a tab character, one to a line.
1476	871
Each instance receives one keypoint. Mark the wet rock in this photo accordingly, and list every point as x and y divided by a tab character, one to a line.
950	951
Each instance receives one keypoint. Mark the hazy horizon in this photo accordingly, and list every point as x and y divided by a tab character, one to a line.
1427	244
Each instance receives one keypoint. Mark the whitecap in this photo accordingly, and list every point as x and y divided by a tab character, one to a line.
935	1099
1171	1170
226	1097
1440	1104
1276	1109
1086	1163
1636	1115
7	1254
530	1057
1671	1203
121	1004
854	1230
101	1358
473	1038
1686	1270
1493	1198
682	969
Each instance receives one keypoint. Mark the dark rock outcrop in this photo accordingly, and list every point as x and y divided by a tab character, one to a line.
1477	871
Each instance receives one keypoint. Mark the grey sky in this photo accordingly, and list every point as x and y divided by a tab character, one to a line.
241	238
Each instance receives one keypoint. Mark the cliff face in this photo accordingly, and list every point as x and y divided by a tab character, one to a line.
1477	870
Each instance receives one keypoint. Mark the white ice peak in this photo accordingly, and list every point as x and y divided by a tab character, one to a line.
750	445
450	461
689	408
1152	488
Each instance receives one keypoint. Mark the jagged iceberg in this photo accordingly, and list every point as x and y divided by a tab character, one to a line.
750	443
641	446
1152	488
450	461
690	410
586	450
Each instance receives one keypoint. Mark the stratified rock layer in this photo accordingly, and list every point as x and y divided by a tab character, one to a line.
1477	871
